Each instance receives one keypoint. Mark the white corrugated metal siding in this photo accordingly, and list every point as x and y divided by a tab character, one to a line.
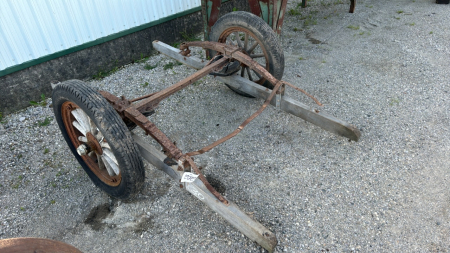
30	29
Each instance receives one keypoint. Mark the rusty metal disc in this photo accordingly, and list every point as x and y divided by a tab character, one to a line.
35	245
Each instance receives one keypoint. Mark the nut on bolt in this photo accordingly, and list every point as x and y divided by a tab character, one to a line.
83	150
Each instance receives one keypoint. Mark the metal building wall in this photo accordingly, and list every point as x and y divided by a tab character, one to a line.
31	29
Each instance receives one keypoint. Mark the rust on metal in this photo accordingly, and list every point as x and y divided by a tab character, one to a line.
205	182
139	119
28	244
159	96
90	160
93	143
134	112
254	7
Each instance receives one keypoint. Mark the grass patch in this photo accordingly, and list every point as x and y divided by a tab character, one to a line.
144	84
150	67
45	122
52	201
142	59
353	27
46	150
170	65
43	101
189	36
400	12
102	74
394	101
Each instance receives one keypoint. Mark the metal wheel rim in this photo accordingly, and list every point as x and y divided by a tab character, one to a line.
82	130
248	48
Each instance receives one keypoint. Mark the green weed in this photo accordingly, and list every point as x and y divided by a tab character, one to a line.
394	101
399	12
170	65
189	37
142	59
102	74
43	101
45	122
144	84
46	150
150	67
353	27
52	201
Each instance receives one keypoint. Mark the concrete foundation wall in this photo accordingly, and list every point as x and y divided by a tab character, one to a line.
21	87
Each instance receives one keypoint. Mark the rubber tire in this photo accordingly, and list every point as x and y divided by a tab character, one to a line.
263	33
113	129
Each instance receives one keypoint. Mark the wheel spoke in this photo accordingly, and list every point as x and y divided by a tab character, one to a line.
246	41
229	42
82	118
93	128
112	167
108	166
249	74
257	55
252	47
238	39
257	74
110	155
101	164
104	144
79	127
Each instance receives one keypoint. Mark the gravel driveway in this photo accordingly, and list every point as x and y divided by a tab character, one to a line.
385	69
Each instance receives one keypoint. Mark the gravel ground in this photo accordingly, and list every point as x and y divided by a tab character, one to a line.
384	69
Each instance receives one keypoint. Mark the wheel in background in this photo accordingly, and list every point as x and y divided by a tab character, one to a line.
98	138
258	40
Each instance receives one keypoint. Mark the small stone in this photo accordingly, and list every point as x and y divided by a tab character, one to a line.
21	119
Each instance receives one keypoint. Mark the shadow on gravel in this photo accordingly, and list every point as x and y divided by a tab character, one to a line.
96	216
216	184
